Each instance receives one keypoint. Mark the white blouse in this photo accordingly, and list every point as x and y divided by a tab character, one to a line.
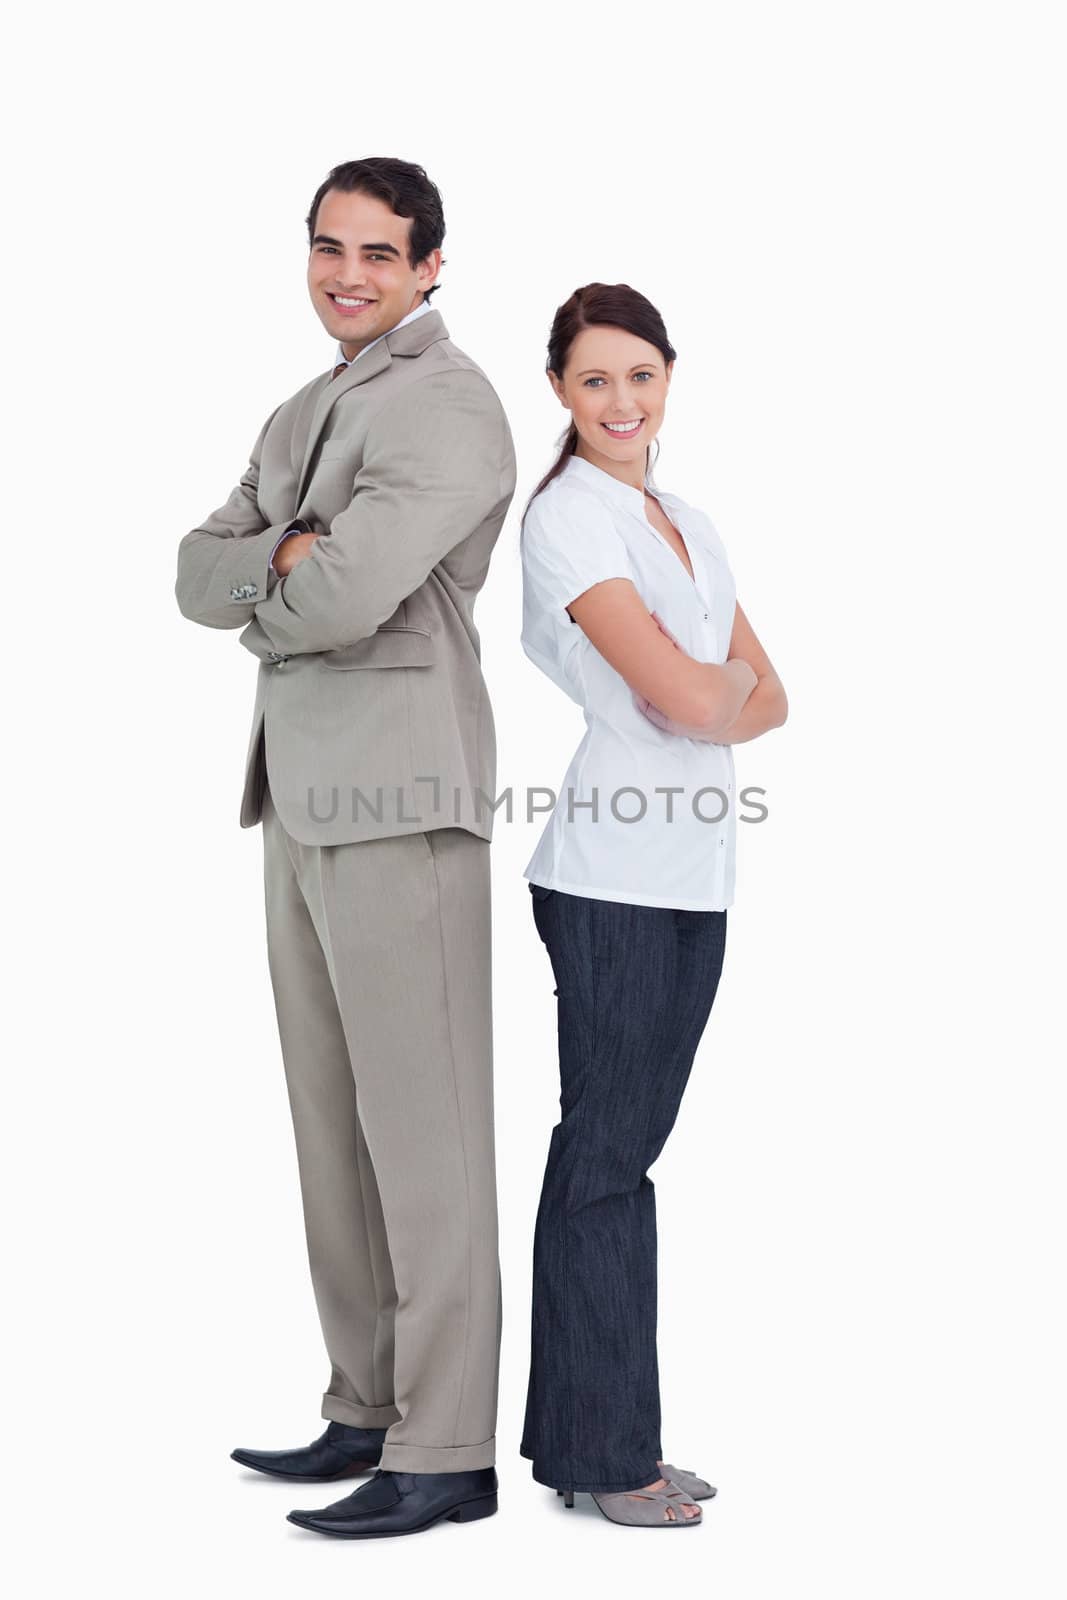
614	833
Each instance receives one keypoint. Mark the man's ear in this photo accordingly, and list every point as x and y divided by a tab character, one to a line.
428	268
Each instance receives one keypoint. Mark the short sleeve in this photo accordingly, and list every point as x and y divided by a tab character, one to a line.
568	546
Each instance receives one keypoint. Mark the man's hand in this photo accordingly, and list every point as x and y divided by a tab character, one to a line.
291	550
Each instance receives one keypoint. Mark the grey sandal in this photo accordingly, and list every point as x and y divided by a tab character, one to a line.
696	1488
643	1508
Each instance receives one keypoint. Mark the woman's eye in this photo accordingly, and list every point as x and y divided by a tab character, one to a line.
592	383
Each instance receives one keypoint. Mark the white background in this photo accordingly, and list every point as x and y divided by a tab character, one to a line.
851	217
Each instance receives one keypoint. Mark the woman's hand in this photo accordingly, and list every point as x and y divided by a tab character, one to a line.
660	718
663	628
668	724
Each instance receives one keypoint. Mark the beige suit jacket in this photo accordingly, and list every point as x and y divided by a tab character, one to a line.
371	716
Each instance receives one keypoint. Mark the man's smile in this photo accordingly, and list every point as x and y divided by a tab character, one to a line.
349	305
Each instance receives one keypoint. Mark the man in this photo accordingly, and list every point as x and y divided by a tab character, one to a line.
351	553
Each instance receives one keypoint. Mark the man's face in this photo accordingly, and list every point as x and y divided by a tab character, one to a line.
360	254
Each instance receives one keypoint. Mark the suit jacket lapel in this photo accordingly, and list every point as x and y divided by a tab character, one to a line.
411	340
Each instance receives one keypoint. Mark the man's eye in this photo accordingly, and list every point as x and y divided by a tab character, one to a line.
326	249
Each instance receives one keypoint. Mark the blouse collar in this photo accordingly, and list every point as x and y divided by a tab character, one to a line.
623	494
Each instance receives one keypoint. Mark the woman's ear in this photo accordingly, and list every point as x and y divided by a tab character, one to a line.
557	388
669	370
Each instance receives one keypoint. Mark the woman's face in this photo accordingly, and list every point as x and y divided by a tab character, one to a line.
615	387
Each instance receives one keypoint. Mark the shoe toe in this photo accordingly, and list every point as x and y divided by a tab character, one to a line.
306	1519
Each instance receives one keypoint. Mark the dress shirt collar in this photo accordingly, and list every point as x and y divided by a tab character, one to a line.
419	310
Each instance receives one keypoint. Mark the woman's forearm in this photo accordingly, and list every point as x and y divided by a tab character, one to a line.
734	684
753	704
765	708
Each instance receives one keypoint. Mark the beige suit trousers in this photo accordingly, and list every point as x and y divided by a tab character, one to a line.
380	961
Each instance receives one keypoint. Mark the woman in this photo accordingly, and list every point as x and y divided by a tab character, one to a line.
629	607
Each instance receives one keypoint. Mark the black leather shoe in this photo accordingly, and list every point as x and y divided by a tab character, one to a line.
405	1502
341	1452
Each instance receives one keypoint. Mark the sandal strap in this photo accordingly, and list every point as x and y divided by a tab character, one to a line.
623	1501
687	1480
674	1490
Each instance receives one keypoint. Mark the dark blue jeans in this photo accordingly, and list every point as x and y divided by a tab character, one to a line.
635	987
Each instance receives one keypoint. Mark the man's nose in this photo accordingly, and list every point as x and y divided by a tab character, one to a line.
350	277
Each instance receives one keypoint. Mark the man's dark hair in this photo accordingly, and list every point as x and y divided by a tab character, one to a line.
406	190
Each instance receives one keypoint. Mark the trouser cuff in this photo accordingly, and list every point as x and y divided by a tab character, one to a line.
428	1458
334	1409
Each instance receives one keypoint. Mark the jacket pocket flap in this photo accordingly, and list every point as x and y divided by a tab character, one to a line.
388	647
